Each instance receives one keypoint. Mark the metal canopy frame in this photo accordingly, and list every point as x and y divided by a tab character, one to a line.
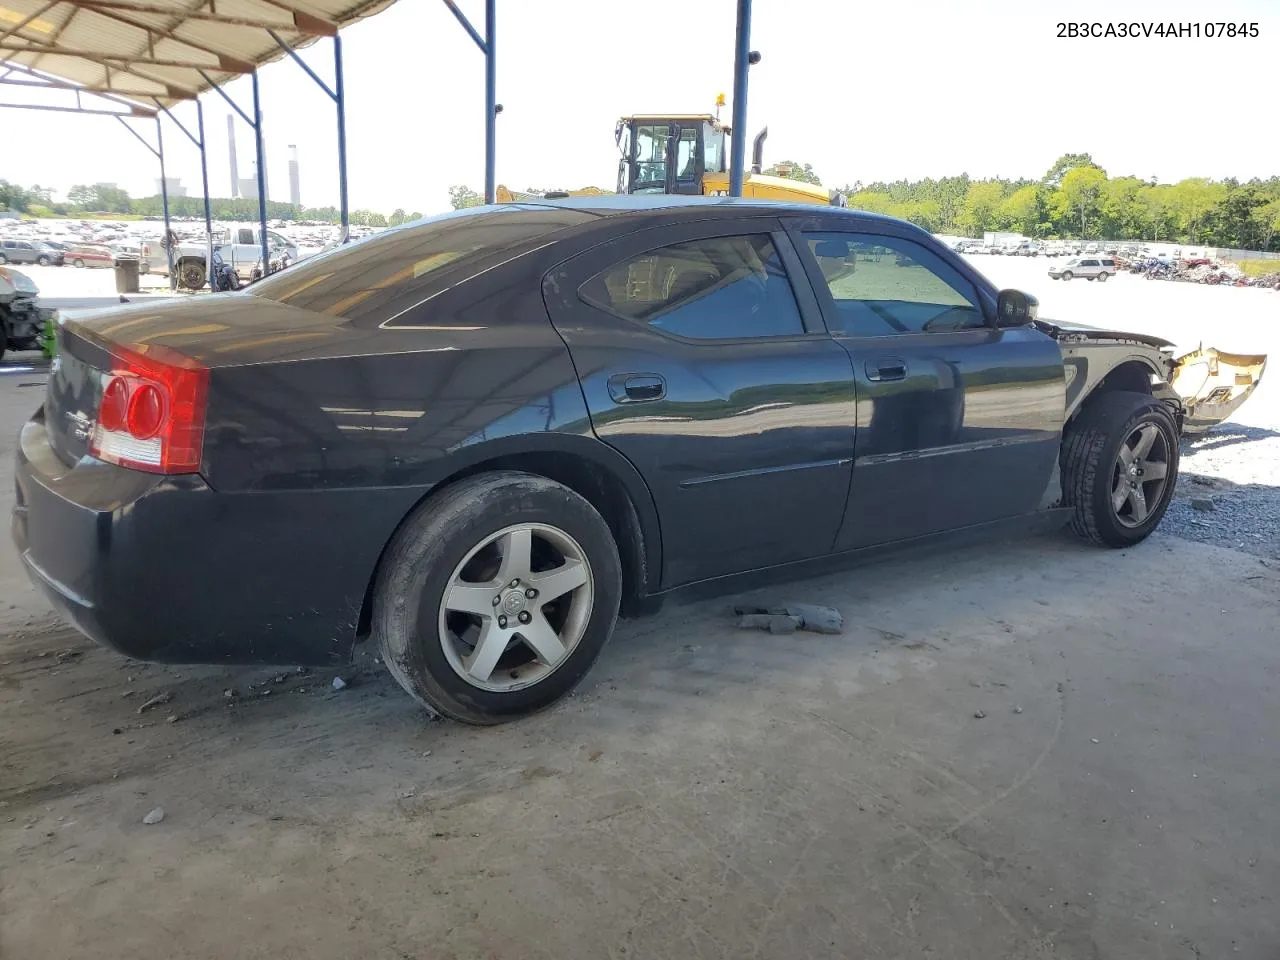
207	59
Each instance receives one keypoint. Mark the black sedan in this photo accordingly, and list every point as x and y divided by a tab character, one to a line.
478	438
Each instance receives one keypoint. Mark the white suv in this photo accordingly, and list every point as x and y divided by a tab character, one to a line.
1093	268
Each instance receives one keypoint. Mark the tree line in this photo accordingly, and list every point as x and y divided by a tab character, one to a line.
1076	199
85	200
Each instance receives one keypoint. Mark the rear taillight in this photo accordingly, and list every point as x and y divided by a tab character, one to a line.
152	412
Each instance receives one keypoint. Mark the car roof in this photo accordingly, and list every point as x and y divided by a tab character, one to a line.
615	205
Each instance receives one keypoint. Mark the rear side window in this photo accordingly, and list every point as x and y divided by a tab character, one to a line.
379	278
1108	263
720	288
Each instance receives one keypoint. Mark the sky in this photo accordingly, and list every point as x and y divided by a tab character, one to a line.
863	92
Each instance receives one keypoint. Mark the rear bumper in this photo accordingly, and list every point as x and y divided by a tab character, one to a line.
167	569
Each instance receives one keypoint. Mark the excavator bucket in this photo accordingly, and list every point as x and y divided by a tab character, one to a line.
1214	384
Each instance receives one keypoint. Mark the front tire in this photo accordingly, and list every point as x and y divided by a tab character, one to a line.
1119	468
43	261
496	597
1066	275
78	263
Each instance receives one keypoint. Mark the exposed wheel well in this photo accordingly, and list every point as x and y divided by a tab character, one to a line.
1134	376
598	487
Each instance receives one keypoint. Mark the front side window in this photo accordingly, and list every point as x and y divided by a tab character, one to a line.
651	158
713	137
883	286
721	288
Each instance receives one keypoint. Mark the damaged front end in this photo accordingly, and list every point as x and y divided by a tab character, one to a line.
1213	384
1206	385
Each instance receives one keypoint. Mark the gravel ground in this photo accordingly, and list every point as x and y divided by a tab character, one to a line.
1233	471
1226	494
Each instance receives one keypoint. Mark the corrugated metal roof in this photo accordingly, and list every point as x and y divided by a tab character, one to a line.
163	49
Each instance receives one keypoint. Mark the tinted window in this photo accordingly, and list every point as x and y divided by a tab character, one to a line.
380	277
884	286
1088	263
1108	263
721	288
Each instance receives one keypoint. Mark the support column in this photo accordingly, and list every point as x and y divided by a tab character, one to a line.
208	215
340	96
741	64
490	98
262	177
164	202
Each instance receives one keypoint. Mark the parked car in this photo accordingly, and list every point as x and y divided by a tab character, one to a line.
21	321
1091	248
1091	268
475	440
90	255
29	251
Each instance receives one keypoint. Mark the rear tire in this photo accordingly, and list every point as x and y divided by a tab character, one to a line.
1095	474
193	274
1102	277
458	546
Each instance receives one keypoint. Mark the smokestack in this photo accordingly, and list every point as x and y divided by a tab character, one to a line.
294	195
231	144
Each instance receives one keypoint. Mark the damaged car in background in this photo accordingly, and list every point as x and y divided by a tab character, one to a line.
21	321
477	439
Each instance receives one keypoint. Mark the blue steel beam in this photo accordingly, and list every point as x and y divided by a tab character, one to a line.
340	98
490	97
164	203
338	95
262	177
208	216
741	64
466	24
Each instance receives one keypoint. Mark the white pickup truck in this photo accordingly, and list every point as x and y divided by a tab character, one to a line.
238	245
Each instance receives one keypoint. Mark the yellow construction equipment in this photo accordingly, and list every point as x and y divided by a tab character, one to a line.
688	154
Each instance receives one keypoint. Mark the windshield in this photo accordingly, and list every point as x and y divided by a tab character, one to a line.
375	279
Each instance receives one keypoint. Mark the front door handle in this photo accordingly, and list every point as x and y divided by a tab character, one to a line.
886	368
636	387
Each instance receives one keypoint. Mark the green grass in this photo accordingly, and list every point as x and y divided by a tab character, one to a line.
1258	268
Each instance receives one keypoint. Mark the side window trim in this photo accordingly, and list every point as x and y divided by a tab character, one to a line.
797	227
587	265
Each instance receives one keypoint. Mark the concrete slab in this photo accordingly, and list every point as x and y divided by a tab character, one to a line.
708	792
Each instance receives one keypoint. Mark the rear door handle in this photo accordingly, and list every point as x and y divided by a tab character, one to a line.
886	368
636	387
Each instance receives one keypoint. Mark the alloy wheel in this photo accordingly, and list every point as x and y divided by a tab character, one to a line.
1141	472
516	607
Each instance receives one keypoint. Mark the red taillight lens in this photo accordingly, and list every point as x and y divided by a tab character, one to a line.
115	404
146	411
152	411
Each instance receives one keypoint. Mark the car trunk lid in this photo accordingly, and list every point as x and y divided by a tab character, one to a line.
216	331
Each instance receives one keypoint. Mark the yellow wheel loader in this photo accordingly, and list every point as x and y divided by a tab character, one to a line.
689	154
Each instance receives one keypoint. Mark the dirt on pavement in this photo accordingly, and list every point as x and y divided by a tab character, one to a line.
1035	749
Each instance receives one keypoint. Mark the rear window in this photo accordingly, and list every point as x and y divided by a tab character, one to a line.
375	279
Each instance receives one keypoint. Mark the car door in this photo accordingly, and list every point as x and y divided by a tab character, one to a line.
245	252
703	359
959	422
